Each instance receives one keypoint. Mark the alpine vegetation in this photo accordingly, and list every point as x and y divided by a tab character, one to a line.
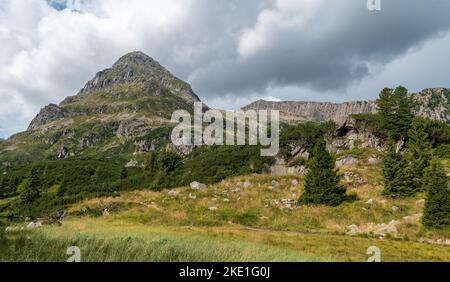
236	129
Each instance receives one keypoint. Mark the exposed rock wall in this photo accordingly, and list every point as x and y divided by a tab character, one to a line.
315	111
433	103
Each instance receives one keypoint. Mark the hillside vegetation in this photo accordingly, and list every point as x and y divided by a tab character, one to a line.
248	218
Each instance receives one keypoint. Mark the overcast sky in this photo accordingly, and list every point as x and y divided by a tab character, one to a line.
231	51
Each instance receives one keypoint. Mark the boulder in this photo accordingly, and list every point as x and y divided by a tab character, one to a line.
34	225
132	163
61	215
346	161
396	209
370	202
174	193
374	161
197	185
105	212
63	153
352	230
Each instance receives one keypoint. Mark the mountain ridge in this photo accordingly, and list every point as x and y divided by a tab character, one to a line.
125	110
433	103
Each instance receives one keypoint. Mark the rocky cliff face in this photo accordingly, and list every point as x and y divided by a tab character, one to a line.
140	71
433	103
48	114
314	111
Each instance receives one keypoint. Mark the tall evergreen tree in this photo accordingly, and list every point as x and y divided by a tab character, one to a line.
393	171
417	156
322	181
395	110
437	206
30	190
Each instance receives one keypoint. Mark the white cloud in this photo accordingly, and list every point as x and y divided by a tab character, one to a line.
288	14
232	51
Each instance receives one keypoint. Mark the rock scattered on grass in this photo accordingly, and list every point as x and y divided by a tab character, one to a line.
352	230
34	225
174	193
396	209
197	185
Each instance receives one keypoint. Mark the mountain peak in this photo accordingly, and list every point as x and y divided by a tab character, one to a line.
136	58
137	70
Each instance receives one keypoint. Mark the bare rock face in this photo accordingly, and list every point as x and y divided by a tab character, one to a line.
347	161
314	111
433	103
139	69
48	114
63	153
133	128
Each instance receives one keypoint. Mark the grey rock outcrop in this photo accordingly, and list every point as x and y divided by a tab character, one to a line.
48	114
133	128
346	161
315	111
137	67
433	103
197	185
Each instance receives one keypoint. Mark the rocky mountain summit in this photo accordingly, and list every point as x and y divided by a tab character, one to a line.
126	107
136	83
433	103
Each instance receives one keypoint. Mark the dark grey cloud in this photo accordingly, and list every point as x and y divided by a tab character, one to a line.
337	47
231	51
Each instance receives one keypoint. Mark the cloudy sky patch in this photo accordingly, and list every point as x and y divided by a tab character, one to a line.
231	51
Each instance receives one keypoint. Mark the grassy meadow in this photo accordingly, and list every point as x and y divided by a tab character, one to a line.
248	218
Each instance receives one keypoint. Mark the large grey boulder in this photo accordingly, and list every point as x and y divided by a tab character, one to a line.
197	185
346	161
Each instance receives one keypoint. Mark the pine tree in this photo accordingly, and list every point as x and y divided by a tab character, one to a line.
386	111
395	110
404	113
322	181
417	156
393	171
30	187
437	206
